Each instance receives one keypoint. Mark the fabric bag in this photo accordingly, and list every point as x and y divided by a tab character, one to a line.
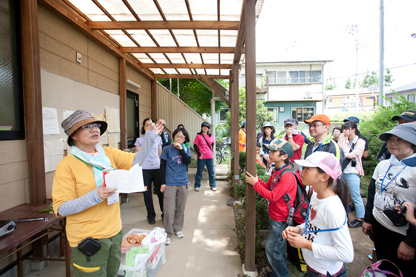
375	271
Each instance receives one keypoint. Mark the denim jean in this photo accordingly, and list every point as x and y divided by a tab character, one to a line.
341	273
353	181
276	249
200	167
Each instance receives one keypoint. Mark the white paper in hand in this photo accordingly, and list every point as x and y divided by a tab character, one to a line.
126	181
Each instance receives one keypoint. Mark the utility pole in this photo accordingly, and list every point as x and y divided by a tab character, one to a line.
351	29
381	57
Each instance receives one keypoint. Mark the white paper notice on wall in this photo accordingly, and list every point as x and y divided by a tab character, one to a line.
50	121
54	153
112	117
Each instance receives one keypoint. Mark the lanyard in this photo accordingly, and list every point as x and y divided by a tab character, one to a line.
325	230
277	176
382	182
322	144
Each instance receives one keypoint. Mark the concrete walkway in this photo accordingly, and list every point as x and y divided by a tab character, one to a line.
208	247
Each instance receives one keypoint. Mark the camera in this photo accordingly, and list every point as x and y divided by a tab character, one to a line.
353	163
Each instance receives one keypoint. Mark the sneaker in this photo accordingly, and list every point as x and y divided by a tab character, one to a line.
370	257
351	208
214	189
167	241
196	189
356	223
179	234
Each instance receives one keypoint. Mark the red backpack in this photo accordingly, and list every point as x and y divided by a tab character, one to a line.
297	213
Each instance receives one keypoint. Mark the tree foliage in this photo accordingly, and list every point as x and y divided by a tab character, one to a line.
372	79
195	94
348	84
262	115
330	84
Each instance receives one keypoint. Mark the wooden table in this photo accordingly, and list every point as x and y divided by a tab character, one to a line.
27	233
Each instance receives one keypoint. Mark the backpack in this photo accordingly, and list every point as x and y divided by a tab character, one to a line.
297	213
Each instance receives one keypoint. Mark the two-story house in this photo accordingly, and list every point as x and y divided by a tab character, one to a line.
290	88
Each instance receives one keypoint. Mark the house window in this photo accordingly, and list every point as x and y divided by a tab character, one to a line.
223	115
316	76
275	112
302	113
293	77
272	77
11	94
281	77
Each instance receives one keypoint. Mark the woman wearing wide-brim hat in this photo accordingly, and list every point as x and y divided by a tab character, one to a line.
393	183
91	209
267	138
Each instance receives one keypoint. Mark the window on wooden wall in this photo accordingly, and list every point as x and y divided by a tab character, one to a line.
11	95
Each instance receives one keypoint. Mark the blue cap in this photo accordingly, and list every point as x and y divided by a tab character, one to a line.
243	124
352	118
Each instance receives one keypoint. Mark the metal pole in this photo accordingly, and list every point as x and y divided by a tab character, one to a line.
357	97
177	82
381	57
213	99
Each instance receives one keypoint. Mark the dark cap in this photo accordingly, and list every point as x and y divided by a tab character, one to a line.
408	115
290	121
283	145
78	119
352	118
405	131
206	124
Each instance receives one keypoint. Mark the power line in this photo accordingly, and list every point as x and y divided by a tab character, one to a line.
399	66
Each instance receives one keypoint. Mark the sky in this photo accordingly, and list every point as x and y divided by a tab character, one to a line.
298	30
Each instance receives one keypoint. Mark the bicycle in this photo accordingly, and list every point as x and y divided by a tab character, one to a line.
222	150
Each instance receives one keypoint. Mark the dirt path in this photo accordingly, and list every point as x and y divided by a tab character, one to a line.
363	246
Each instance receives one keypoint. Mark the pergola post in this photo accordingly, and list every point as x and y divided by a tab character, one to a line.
33	100
153	95
234	125
123	102
251	133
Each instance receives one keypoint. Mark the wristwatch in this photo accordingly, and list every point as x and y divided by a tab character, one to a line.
290	137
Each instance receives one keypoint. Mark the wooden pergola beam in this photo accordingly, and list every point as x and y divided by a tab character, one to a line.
184	65
178	25
214	50
190	76
215	88
98	37
241	36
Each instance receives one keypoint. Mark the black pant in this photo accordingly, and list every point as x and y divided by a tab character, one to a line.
386	243
149	176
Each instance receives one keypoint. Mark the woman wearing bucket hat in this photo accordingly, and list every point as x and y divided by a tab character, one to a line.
203	145
78	193
393	182
267	138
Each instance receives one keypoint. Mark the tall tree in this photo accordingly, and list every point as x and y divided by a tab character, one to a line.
330	84
263	115
195	94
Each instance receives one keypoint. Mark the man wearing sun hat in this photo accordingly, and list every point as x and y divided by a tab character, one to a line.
322	141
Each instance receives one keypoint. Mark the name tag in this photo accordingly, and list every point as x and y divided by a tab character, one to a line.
113	199
378	202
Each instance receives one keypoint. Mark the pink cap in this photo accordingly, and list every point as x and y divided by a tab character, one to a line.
325	161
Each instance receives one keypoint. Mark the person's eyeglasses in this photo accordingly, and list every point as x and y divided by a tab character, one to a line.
90	126
180	137
315	125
